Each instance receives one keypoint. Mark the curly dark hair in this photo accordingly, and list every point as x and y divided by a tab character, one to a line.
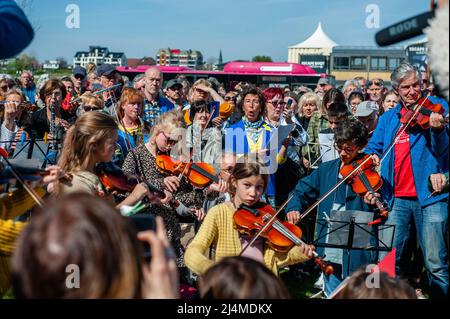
351	130
254	91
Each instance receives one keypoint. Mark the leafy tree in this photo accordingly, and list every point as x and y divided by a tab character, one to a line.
262	58
26	62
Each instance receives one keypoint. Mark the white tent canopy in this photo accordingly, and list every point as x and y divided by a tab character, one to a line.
317	40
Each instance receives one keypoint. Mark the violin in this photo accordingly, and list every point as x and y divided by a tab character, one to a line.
280	236
422	116
31	192
198	174
28	173
365	179
27	106
113	179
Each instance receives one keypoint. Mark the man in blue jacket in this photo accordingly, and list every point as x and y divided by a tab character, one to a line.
418	154
15	29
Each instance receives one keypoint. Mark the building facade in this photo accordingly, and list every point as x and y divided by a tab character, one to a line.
342	63
51	65
176	57
348	62
98	56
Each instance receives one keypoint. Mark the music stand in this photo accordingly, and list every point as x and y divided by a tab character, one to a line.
349	230
38	149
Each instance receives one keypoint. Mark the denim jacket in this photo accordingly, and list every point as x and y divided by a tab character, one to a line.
429	154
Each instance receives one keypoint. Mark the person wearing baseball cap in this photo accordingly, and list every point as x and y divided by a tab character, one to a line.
110	77
323	85
79	80
173	92
367	113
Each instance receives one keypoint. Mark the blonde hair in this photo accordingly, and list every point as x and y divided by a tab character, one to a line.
168	122
91	68
93	99
193	87
81	139
17	92
309	97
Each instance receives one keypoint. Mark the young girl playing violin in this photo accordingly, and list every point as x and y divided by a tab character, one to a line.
351	137
91	140
184	198
247	185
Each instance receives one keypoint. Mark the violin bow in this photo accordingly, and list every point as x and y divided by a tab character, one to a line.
324	196
268	223
318	260
403	129
30	191
98	92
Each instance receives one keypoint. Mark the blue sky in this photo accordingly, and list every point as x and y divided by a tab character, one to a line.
241	28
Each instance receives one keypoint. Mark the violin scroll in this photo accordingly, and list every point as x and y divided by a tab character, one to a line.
326	268
197	174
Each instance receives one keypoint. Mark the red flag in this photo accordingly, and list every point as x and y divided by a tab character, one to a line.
388	264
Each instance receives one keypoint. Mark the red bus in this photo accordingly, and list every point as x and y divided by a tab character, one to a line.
265	74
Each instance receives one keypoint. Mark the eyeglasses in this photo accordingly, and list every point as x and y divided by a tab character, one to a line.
277	103
375	82
88	108
169	141
347	149
8	86
229	98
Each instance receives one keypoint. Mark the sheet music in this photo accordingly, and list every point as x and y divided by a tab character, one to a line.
327	151
279	135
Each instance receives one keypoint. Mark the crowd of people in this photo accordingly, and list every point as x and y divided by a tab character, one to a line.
130	163
132	125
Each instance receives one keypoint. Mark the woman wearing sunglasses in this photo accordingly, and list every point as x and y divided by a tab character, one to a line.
164	137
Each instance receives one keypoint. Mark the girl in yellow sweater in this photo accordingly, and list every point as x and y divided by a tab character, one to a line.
247	185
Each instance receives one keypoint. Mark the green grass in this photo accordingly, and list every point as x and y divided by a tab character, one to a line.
303	287
9	295
300	287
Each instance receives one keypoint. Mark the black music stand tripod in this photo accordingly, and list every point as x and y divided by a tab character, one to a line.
349	230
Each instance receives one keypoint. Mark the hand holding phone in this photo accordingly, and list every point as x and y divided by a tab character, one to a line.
161	278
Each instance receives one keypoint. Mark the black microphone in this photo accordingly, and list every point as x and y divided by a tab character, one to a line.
403	30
